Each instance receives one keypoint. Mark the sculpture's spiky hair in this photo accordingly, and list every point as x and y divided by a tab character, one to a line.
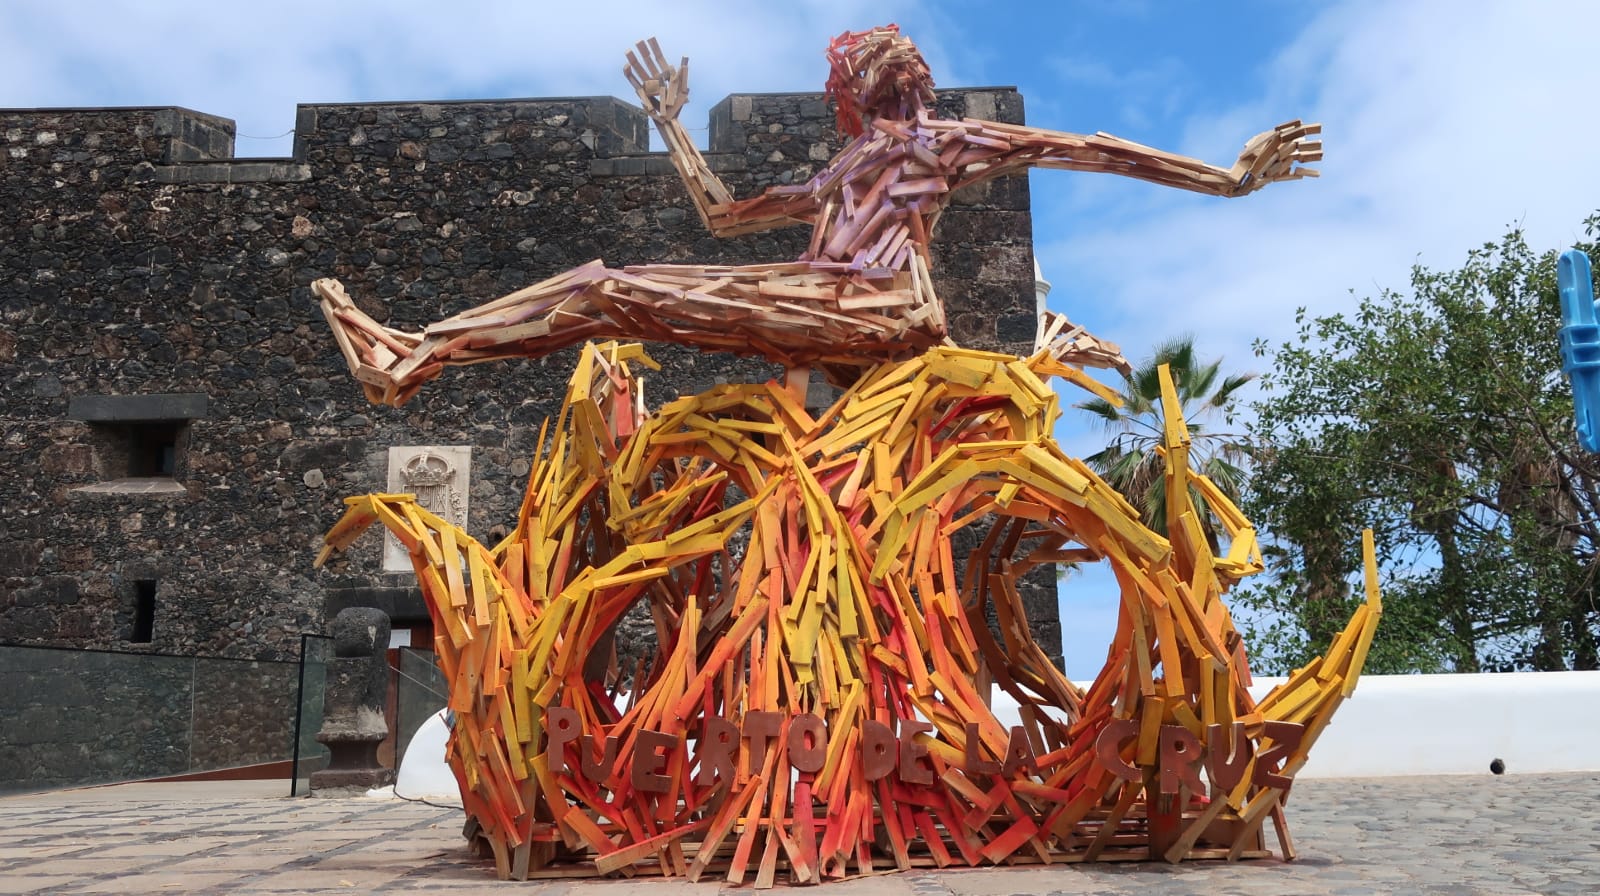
872	72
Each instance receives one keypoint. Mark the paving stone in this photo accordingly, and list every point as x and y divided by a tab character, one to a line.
181	846
162	882
240	862
35	883
1508	836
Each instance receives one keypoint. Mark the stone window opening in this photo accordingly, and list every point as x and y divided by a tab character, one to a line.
153	449
144	612
139	442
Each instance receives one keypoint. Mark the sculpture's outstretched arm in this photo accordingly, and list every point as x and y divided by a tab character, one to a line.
1279	154
663	89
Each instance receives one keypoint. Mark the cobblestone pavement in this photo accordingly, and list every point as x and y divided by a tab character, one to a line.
1517	834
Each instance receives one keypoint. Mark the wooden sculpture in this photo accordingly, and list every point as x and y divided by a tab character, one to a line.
819	700
862	293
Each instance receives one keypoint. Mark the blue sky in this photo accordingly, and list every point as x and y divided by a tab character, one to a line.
1445	123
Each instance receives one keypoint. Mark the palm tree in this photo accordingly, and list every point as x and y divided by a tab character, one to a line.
1130	462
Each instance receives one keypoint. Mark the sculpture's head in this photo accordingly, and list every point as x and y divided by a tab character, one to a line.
876	73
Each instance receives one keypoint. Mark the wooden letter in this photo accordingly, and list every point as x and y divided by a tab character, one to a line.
1180	760
976	764
1285	736
761	726
562	726
1108	747
877	749
649	759
718	741
1019	754
911	770
808	742
597	772
1230	755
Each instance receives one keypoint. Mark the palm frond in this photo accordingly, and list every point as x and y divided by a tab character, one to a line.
1224	393
1110	415
1132	463
1200	380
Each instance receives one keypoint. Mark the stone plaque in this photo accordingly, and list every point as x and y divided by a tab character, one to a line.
438	475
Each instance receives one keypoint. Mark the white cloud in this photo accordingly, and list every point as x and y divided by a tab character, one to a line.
253	63
1445	123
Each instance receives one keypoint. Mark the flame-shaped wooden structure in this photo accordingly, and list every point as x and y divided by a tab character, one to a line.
811	617
820	699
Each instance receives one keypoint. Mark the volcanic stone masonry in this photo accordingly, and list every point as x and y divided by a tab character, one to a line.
178	426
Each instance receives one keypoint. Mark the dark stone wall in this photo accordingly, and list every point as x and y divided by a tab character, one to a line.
138	258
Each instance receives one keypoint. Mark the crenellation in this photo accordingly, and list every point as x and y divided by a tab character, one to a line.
544	130
194	136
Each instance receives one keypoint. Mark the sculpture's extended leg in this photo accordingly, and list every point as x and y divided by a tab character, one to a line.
794	313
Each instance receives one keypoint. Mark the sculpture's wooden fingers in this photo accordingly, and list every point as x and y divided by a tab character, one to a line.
635	73
660	57
675	90
647	81
646	61
342	336
1291	135
1309	155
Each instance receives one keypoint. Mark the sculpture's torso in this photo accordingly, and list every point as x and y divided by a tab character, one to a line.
882	196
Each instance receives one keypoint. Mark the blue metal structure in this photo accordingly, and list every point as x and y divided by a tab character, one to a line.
1580	343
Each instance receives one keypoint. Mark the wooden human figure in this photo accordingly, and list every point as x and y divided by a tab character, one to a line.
862	292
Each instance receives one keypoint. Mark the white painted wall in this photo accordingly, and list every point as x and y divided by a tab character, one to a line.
1449	725
1458	724
1394	725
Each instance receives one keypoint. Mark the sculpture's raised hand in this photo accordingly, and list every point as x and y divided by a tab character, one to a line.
1278	154
662	88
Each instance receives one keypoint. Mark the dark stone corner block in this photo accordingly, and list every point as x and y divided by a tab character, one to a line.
403	604
136	408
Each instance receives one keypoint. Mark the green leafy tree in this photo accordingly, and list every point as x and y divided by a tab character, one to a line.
1440	418
1130	462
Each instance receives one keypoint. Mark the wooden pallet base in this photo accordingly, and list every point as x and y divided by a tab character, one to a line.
1130	843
